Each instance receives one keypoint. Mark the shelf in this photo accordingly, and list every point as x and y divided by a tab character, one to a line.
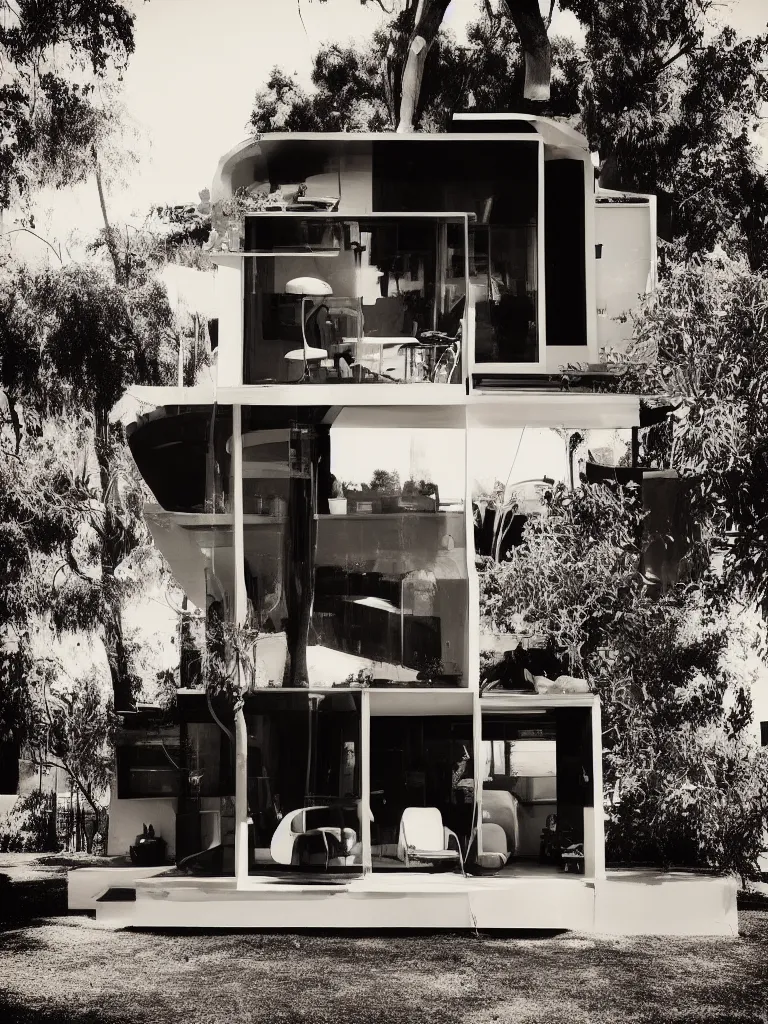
212	520
389	515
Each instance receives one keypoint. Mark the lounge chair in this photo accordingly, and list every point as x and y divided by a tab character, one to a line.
314	837
423	838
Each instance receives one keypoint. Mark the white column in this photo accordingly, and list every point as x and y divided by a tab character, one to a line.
597	824
240	607
541	284
365	779
477	753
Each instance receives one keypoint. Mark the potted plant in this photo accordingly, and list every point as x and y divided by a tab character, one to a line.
421	496
337	503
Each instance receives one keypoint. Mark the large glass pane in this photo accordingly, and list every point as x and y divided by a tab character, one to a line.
390	601
422	773
371	300
304	782
504	282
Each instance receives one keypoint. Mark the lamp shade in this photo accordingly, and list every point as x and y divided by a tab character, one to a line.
307	286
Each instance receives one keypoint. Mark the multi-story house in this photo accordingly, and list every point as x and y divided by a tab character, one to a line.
408	327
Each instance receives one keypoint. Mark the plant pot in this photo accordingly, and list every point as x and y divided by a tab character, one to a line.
337	506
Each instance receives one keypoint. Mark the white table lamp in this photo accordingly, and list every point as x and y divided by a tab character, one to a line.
308	288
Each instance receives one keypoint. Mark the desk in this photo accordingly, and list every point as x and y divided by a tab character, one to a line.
393	356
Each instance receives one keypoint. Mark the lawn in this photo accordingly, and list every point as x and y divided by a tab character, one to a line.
56	968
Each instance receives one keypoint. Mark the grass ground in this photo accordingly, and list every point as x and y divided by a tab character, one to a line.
60	969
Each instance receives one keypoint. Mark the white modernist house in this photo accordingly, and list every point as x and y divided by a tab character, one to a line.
406	323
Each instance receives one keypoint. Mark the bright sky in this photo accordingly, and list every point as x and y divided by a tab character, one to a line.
197	65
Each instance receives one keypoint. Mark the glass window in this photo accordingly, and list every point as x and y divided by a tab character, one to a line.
304	781
390	600
419	762
148	764
504	282
372	300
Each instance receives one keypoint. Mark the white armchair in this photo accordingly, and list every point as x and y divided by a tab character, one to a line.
423	837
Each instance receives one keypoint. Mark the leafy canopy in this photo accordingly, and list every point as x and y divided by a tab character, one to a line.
52	55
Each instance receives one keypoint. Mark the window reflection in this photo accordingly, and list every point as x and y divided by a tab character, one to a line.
304	782
503	276
373	300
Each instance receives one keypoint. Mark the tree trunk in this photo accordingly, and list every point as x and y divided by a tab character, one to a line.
112	551
426	26
109	233
531	29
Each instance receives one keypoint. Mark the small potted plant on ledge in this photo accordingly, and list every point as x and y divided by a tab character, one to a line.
337	503
420	497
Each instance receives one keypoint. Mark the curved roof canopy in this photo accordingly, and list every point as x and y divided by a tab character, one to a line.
291	156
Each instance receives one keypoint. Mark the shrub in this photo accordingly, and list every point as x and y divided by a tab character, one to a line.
695	797
26	828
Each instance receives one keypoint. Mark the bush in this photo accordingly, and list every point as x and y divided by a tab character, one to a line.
697	797
27	827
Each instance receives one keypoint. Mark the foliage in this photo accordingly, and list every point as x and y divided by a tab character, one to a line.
580	561
386	482
71	533
27	827
692	796
350	89
673	112
53	56
228	668
74	725
669	109
702	341
674	708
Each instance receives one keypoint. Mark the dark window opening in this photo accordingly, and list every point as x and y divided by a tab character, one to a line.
564	258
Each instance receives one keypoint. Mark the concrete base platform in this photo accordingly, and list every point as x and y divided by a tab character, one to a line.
624	903
85	885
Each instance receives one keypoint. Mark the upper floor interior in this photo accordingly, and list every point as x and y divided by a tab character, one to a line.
482	258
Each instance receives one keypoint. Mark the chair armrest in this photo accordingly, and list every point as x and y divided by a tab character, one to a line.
450	838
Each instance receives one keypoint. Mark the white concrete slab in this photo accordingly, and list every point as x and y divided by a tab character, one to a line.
84	885
626	903
651	903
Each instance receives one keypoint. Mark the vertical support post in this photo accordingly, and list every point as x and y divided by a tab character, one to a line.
541	284
590	263
477	754
467	353
598	823
240	611
365	779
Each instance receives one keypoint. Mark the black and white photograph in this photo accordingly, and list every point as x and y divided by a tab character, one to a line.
383	511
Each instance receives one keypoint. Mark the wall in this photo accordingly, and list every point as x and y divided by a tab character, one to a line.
126	818
624	270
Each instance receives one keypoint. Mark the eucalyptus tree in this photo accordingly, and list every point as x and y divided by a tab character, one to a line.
54	55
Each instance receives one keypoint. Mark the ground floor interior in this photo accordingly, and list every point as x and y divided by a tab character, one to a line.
348	783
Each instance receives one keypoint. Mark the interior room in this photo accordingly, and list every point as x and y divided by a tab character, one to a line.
333	300
304	782
391	588
498	182
537	778
422	782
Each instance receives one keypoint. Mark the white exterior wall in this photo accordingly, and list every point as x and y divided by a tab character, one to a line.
126	818
627	267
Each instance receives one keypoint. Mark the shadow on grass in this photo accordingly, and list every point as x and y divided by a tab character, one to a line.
22	902
360	933
15	1013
